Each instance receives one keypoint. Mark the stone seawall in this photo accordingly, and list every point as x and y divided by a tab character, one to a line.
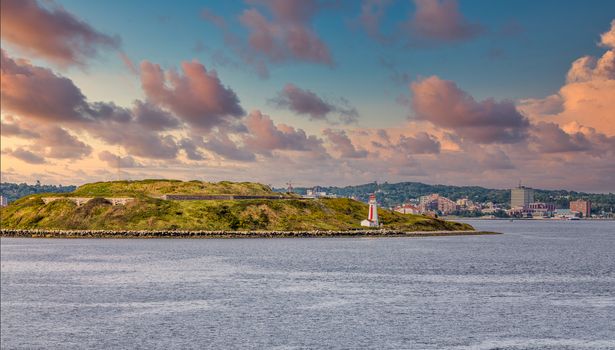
227	234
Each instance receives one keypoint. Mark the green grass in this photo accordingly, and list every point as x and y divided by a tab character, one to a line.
149	213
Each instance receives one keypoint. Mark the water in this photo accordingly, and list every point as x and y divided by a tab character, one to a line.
542	285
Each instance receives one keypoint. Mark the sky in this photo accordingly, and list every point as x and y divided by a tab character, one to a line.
329	92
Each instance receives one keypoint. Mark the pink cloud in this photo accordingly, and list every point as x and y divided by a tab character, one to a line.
440	21
221	144
587	96
47	140
550	138
341	143
443	104
607	39
24	155
372	12
421	143
195	95
51	33
284	39
113	160
306	102
38	93
264	136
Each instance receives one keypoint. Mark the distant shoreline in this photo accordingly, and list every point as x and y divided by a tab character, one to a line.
230	234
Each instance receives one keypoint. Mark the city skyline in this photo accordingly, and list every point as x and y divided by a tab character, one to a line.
313	92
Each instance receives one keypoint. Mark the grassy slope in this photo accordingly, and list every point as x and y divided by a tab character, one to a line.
156	214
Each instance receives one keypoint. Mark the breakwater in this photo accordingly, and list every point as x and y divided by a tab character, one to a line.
226	234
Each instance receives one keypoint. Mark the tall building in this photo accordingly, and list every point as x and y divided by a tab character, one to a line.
3	201
581	206
521	197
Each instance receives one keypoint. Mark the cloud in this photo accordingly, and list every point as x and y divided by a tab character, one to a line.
278	32
288	34
264	136
113	160
197	96
47	140
439	21
587	95
421	143
607	39
39	96
128	63
372	12
151	117
552	104
306	102
222	145
51	33
25	155
15	129
343	145
38	93
550	138
58	143
443	104
191	149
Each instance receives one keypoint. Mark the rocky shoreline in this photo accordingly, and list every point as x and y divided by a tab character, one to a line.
34	233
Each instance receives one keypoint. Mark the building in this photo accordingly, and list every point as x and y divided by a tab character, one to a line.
435	202
538	209
447	206
583	207
372	214
408	209
3	201
521	197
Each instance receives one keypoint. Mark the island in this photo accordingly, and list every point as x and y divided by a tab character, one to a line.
197	209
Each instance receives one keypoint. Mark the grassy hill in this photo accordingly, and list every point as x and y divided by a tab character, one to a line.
148	212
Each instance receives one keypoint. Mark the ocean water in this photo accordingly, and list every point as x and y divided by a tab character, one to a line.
541	285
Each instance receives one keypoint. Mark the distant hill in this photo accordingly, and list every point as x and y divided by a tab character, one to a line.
13	191
149	212
392	194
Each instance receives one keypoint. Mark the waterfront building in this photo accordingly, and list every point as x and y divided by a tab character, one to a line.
521	197
372	214
408	209
538	209
435	202
583	207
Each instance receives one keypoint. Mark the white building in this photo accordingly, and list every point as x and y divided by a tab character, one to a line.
3	201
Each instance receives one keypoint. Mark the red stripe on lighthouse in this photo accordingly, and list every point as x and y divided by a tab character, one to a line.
371	213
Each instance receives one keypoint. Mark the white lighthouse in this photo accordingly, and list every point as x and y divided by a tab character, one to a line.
372	215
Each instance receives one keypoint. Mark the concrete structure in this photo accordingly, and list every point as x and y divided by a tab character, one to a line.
317	192
583	207
82	200
521	196
372	215
3	201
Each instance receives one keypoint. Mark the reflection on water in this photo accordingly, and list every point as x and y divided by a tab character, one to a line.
542	285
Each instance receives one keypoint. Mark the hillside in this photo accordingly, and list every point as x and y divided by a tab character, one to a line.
149	212
391	194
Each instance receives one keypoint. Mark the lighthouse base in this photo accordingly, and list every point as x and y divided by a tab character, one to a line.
368	223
